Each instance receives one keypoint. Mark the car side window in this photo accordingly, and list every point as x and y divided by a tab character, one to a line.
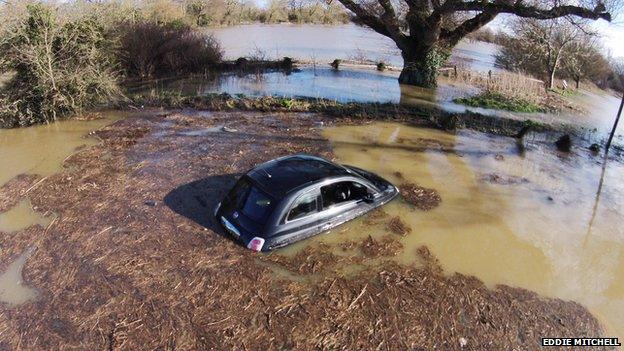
303	206
337	193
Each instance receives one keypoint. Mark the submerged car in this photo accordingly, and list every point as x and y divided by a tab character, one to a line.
294	197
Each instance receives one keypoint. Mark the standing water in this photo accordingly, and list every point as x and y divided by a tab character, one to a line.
36	150
41	149
323	44
527	219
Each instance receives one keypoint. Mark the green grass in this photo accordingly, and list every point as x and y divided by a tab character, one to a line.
499	102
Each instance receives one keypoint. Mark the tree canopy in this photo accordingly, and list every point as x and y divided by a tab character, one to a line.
426	30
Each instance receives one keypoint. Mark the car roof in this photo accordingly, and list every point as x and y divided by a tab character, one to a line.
282	175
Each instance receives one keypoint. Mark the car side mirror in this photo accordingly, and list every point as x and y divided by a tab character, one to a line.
369	198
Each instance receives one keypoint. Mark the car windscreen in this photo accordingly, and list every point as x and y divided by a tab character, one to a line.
249	200
373	178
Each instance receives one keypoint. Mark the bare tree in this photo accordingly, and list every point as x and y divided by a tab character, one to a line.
539	47
426	30
584	61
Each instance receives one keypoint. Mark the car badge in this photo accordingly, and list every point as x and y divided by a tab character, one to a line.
235	214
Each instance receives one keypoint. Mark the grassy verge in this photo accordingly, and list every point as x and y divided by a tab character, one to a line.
350	111
499	101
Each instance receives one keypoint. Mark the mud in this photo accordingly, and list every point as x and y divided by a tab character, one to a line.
115	273
424	199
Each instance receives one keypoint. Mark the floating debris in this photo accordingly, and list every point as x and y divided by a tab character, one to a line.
397	226
502	180
386	246
424	199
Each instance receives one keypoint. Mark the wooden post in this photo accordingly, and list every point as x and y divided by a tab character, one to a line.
617	119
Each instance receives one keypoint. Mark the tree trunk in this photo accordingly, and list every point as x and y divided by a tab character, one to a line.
551	79
420	67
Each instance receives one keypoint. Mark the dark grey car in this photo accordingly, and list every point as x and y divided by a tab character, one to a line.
294	197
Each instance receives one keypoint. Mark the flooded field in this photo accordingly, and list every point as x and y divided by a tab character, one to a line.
41	149
358	85
366	85
323	44
133	256
533	219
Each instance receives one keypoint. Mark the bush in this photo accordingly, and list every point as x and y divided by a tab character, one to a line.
149	49
58	68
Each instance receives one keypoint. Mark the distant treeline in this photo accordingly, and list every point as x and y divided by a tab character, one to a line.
487	35
229	12
214	13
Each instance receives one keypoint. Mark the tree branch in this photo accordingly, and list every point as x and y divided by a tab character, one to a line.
366	17
469	26
391	22
521	10
387	25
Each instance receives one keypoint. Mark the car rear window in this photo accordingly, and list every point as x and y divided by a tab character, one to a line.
249	200
257	206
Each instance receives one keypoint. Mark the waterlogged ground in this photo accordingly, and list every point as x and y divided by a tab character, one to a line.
531	218
127	256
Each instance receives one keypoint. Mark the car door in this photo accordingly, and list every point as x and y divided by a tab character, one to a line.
300	219
341	201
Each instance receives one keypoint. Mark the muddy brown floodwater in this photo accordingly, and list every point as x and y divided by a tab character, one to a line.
132	259
529	219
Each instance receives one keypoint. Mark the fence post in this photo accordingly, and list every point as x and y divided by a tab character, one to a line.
615	124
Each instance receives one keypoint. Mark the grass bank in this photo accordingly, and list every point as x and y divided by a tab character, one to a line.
356	111
498	101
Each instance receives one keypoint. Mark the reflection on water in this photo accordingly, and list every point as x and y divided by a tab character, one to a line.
323	44
22	216
41	149
360	85
339	85
532	233
13	291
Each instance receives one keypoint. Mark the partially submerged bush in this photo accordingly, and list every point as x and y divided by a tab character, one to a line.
59	68
336	63
150	49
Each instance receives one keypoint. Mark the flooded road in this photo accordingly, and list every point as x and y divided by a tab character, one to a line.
530	220
323	44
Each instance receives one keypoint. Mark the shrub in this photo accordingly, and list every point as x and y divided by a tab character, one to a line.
149	49
58	68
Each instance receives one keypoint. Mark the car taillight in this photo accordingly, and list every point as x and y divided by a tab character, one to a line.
255	244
